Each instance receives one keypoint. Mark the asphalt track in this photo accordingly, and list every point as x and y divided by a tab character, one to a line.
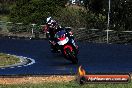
95	58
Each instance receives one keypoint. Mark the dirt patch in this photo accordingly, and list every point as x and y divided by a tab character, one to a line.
35	79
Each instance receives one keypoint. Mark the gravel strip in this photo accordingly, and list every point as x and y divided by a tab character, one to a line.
37	79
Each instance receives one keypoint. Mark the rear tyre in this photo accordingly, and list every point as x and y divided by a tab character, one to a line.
74	59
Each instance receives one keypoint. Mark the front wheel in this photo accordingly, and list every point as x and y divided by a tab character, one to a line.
70	53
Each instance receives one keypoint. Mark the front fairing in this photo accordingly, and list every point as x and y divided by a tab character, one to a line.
63	42
61	37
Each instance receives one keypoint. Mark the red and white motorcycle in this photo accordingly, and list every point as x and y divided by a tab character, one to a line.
65	43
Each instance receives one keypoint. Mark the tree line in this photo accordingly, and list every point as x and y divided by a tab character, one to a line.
91	14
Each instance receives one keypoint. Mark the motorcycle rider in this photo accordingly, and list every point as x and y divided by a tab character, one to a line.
51	28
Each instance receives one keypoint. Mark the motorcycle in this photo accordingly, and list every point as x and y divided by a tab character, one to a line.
66	45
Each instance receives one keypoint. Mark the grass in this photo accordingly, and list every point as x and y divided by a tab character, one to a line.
72	84
7	60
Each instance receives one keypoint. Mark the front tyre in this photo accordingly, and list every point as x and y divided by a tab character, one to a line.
70	53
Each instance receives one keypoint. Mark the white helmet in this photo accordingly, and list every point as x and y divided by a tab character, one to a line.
48	19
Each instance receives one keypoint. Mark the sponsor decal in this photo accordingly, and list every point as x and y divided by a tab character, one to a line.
101	77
